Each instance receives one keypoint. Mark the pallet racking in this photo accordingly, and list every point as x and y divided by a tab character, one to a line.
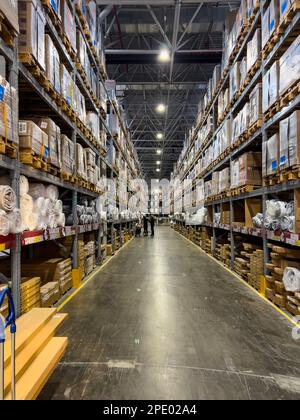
239	205
35	95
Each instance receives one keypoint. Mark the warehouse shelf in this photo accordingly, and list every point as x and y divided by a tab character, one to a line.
6	51
293	105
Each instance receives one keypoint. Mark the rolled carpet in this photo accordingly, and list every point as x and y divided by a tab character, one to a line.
15	218
49	206
37	190
58	207
31	221
24	185
8	198
40	206
4	223
291	279
52	192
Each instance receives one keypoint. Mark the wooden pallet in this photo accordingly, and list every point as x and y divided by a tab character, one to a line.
8	148
69	47
65	176
7	32
35	69
289	174
103	112
53	170
272	111
294	9
254	128
289	95
256	8
29	158
270	180
242	190
66	108
56	20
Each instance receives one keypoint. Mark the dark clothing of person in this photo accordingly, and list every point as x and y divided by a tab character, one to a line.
145	225
152	223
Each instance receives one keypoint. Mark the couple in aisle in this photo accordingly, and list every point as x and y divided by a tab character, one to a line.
148	219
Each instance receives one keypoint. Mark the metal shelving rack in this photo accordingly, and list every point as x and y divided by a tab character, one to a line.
18	75
257	138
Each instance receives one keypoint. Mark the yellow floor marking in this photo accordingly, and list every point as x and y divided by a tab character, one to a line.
90	277
242	281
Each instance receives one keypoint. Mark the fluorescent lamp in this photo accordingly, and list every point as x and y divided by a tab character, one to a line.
164	56
161	108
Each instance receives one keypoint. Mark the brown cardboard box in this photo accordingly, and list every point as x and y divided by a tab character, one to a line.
256	104
67	155
250	169
294	138
271	155
53	132
284	161
68	23
52	63
265	28
33	139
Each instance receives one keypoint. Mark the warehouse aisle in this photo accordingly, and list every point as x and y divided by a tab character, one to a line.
163	321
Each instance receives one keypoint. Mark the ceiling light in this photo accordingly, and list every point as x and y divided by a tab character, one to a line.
161	108
159	136
158	162
164	56
158	152
157	170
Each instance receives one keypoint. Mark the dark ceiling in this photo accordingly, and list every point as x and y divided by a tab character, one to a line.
134	34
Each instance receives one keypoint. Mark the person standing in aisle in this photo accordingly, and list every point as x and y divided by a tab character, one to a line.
145	225
152	223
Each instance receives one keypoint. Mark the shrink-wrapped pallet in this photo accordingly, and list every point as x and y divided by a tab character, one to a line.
33	139
271	155
290	66
81	162
32	30
53	132
92	122
52	63
68	23
256	104
254	50
9	9
8	112
271	87
68	155
290	141
235	80
66	84
224	180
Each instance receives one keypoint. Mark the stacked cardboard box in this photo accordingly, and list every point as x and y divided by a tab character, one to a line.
271	87
289	65
223	253
33	140
54	139
270	21
290	141
81	164
68	23
52	64
246	170
50	294
270	158
32	30
9	9
67	155
281	258
256	267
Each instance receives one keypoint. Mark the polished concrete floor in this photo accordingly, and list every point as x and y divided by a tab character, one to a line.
163	321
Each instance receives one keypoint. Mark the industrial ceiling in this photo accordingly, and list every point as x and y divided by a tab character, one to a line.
135	32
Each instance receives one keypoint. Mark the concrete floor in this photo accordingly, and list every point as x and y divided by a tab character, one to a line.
163	321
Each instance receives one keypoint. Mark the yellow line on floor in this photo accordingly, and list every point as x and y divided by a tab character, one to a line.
242	281
90	277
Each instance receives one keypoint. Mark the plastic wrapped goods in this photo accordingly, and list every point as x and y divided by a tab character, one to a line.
52	64
69	24
53	132
67	155
291	279
8	112
33	139
8	199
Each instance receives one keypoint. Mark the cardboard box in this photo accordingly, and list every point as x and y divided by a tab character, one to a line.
265	28
271	87
66	84
290	141
68	23
284	144
250	172
67	155
8	112
32	30
33	139
271	155
285	6
235	80
290	66
256	104
53	133
254	50
9	9
52	63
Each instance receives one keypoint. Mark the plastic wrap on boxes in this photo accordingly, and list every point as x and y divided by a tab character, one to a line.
290	141
271	86
68	155
265	32
8	112
32	30
250	172
68	23
256	104
92	121
285	6
271	155
284	161
235	173
235	79
215	183
243	71
254	49
66	84
224	180
290	66
81	50
90	157
52	63
32	138
53	133
81	161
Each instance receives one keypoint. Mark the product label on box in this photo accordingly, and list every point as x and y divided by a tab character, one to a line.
284	6
22	128
274	165
282	160
2	91
54	5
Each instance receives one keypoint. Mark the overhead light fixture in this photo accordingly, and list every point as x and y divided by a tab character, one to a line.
159	136
164	56
161	108
158	152
157	170
158	162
